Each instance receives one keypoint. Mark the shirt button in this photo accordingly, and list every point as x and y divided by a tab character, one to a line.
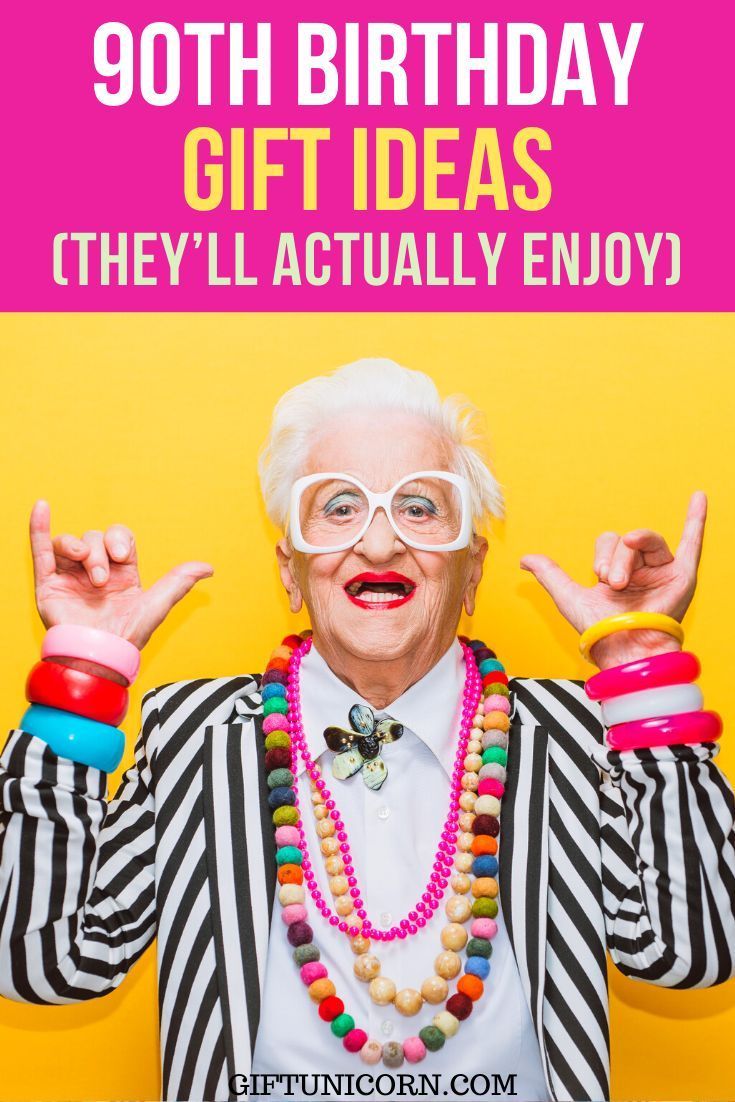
386	1028
383	812
386	919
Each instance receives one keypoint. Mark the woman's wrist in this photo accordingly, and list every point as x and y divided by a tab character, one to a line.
629	646
86	666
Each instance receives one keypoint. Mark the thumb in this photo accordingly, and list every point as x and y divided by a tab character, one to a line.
557	583
169	590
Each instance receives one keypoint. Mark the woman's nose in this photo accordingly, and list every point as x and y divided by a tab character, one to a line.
380	543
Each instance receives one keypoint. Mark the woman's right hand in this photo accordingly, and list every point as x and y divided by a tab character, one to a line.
94	580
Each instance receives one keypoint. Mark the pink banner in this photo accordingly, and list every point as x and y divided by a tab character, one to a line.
99	213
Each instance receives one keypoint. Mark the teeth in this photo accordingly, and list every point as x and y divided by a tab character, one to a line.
380	598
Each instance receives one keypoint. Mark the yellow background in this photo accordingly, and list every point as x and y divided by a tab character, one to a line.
597	422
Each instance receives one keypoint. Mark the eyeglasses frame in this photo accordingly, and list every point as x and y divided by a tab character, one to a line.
376	501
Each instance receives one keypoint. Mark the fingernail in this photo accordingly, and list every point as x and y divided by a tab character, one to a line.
99	574
617	576
119	549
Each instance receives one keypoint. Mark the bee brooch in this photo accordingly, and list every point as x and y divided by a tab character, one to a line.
359	748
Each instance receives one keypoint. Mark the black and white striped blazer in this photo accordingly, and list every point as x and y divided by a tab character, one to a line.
634	853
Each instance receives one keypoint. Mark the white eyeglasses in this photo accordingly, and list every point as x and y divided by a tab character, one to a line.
428	510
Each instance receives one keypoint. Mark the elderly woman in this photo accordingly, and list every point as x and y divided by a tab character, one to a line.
318	849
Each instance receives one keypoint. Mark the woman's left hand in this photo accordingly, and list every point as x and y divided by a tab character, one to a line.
636	571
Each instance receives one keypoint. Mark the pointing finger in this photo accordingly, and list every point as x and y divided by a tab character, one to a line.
690	545
42	549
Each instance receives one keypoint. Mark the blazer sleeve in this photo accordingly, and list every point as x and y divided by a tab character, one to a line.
77	895
667	821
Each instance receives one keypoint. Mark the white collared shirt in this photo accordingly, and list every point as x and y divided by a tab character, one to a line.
393	837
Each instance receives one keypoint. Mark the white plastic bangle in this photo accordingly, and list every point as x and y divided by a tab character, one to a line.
668	700
94	645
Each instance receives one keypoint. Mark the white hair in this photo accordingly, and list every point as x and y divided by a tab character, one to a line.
303	411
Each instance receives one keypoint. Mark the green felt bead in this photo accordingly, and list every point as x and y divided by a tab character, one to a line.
495	753
432	1037
342	1024
278	739
485	908
285	816
304	954
496	688
289	855
278	777
479	947
275	704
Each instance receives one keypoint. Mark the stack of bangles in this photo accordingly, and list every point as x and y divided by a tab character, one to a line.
651	701
78	713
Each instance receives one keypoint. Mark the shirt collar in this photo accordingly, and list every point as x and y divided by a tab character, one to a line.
431	708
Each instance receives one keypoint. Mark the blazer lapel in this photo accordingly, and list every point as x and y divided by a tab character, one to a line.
242	877
524	861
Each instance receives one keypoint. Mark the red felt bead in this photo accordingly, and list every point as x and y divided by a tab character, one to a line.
486	824
292	641
495	675
277	758
331	1008
460	1005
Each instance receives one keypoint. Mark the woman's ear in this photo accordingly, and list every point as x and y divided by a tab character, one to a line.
285	556
478	551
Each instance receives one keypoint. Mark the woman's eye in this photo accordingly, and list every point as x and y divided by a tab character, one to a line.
341	508
418	509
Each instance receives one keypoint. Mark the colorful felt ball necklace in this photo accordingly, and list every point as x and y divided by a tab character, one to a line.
466	860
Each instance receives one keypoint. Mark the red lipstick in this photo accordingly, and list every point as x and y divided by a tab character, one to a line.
378	591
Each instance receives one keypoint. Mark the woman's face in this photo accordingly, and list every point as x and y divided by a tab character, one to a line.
379	448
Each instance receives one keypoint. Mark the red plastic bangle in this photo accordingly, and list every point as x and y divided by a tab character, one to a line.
670	668
666	731
77	691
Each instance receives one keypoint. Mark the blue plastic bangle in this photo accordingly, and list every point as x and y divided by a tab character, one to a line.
76	737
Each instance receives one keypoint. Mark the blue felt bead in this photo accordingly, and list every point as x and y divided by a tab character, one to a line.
272	690
478	966
485	865
281	796
476	644
289	855
489	665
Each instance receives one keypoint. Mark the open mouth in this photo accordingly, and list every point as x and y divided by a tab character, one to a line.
380	591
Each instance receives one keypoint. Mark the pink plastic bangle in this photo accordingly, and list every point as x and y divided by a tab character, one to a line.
94	645
666	731
670	668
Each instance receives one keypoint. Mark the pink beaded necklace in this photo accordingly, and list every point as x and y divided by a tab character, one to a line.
431	898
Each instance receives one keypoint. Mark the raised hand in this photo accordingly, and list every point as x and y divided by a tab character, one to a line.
94	580
636	571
